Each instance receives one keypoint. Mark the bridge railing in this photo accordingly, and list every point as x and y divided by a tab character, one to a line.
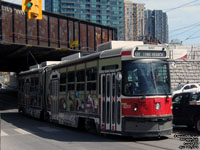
53	31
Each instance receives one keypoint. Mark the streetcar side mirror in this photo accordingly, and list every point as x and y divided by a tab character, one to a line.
119	76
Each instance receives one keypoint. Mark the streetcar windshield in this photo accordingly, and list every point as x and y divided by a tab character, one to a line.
145	78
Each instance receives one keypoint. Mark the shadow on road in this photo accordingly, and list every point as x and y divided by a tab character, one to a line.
8	99
63	133
8	102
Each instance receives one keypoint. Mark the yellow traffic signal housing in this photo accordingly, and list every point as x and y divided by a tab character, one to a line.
33	8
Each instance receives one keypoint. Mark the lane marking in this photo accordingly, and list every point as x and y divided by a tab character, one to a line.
3	133
21	131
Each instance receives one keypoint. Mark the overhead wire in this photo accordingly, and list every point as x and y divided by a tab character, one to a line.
191	35
188	27
185	27
181	6
193	5
188	30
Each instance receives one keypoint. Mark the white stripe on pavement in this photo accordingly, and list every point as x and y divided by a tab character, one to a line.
21	131
3	133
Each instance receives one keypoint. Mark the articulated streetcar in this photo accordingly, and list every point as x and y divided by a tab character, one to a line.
123	89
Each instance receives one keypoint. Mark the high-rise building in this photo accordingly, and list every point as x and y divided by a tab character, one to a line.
156	26
106	12
149	30
134	20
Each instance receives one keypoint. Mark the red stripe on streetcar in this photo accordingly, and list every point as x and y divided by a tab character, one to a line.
126	53
146	107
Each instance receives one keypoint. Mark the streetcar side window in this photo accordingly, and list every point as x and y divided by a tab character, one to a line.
71	87
80	80
27	86
62	82
62	78
91	87
80	76
91	74
21	85
71	80
91	79
71	76
34	83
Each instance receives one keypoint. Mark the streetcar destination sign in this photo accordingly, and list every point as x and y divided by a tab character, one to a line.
150	54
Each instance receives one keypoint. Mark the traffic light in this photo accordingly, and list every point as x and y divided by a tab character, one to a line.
33	8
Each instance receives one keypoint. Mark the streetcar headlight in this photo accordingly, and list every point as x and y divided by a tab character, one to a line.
171	107
157	106
135	108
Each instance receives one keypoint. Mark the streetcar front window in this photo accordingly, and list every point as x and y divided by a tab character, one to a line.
145	78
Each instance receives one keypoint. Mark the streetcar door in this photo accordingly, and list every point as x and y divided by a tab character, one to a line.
103	101
118	111
110	103
106	102
54	95
113	102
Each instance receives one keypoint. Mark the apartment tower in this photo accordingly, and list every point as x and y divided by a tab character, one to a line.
134	20
105	12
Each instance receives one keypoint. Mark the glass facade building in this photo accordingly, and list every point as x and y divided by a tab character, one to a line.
105	12
156	25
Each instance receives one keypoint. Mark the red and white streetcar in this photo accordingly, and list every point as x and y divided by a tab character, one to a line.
123	89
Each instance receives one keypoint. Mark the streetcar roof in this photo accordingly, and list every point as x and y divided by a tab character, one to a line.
102	54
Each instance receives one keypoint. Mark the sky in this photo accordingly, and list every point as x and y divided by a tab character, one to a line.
183	21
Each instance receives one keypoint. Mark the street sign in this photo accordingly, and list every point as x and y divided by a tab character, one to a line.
74	44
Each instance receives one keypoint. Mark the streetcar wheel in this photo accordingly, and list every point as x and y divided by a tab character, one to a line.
197	124
90	126
81	124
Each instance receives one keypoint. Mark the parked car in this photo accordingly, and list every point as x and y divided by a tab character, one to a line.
193	87
186	109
